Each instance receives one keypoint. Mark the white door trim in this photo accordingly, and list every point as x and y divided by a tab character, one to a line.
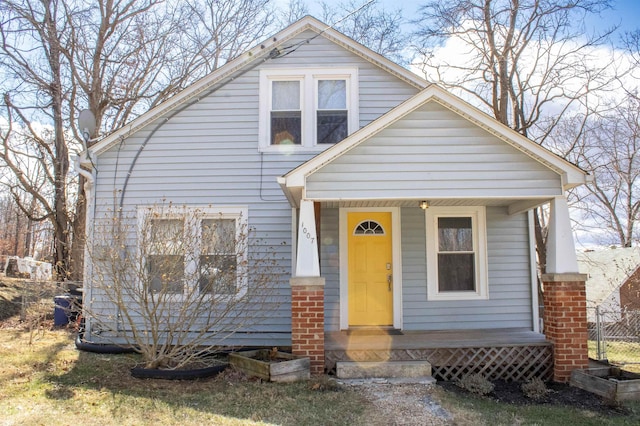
397	263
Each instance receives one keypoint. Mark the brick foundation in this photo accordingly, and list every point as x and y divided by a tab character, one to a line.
565	322
307	320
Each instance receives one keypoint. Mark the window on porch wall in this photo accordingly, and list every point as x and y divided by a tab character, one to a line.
456	257
456	253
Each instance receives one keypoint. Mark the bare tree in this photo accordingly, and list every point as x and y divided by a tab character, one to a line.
118	58
527	62
293	11
33	40
608	146
364	21
378	29
175	282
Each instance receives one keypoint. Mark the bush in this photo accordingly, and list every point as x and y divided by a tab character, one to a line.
476	383
535	389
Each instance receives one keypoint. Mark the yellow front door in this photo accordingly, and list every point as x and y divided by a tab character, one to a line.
370	269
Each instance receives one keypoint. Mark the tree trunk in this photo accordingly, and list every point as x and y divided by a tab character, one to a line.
61	161
79	225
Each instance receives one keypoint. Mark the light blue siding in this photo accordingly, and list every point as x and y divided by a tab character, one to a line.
207	155
442	154
509	303
330	267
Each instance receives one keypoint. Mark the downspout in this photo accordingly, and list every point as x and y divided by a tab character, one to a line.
84	159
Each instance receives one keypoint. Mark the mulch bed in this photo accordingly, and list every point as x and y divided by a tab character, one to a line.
560	395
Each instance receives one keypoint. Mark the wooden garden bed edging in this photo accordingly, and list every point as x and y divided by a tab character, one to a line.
609	382
271	365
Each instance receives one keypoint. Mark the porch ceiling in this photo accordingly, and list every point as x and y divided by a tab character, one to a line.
515	205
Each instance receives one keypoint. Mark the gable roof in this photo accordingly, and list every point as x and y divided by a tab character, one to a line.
269	49
571	175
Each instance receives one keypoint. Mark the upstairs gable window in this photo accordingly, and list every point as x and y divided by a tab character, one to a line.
307	109
286	113
332	115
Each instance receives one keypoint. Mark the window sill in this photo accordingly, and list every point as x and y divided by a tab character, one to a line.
451	296
288	149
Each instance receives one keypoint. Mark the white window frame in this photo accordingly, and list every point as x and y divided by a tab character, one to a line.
479	231
238	213
308	78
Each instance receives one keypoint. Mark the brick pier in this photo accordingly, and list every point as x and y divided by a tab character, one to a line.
565	322
307	320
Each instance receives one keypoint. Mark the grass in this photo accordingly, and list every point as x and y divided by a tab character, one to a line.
475	410
50	382
45	380
624	354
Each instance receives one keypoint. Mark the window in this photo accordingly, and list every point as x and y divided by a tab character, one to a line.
165	262
456	253
286	114
218	257
195	250
307	108
331	113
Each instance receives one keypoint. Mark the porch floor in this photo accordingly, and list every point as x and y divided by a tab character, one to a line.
508	354
337	340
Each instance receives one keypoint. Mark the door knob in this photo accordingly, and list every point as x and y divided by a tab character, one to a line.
389	279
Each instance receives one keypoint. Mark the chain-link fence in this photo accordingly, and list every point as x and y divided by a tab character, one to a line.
614	336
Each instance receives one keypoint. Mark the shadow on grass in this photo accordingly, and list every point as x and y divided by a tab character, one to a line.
40	358
9	306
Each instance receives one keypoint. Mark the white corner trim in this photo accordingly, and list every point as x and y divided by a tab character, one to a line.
535	309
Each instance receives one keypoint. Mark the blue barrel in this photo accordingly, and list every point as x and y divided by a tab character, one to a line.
62	310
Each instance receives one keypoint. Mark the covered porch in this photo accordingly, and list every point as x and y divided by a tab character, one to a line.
499	354
444	221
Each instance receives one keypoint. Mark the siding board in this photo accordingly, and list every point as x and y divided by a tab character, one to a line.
509	283
208	154
443	155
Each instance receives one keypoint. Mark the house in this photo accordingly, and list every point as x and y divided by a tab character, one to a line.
394	204
613	281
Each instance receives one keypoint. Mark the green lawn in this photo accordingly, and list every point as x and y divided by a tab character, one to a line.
623	354
50	382
44	380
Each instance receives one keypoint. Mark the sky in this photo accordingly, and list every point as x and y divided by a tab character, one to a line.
625	13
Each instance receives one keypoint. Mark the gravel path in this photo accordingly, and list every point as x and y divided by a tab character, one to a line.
400	403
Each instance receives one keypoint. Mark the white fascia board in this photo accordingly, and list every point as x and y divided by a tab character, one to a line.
184	96
375	58
571	174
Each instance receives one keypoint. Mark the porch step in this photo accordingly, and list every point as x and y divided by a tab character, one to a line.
388	369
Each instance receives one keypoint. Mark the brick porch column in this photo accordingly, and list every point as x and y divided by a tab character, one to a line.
565	322
307	320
